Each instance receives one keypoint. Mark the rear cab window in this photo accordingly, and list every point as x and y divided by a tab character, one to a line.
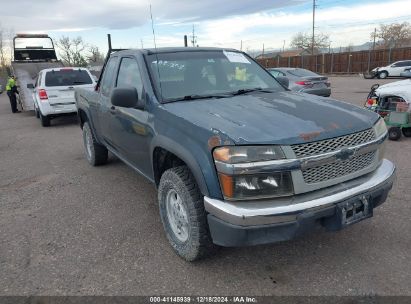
67	77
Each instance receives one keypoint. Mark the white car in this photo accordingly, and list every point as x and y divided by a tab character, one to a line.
396	89
53	93
392	70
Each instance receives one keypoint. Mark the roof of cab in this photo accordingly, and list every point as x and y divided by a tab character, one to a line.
173	50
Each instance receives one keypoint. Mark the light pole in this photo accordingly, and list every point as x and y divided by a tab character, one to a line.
349	63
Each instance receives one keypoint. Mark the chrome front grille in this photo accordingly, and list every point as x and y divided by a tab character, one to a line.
338	168
333	144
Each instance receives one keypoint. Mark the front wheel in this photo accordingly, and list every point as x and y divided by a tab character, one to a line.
183	215
382	75
96	154
394	133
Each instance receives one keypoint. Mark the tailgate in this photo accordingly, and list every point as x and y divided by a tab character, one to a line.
64	95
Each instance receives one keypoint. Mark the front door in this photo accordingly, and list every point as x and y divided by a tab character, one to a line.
105	113
130	127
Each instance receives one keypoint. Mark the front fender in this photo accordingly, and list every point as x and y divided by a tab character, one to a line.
196	159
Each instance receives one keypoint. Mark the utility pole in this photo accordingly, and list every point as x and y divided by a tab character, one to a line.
193	38
283	45
375	34
142	45
313	38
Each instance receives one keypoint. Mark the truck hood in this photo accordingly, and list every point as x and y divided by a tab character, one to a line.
274	118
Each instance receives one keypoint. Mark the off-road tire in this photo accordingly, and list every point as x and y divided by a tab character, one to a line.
45	120
406	132
394	133
382	74
198	244
95	153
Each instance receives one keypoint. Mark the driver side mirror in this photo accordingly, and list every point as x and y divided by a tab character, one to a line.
283	80
126	98
30	86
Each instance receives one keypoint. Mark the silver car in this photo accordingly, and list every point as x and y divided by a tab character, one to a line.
302	80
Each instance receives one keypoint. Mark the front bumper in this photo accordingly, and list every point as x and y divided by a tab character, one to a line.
267	221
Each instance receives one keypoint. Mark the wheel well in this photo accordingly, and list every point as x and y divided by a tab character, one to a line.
83	117
164	160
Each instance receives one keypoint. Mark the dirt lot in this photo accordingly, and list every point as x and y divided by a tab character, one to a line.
69	229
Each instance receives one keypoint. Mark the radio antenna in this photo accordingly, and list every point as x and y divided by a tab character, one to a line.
155	47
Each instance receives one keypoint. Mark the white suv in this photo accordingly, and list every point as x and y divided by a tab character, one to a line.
53	93
392	70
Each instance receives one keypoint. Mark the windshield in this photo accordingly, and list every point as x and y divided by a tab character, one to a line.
301	73
33	43
207	73
67	77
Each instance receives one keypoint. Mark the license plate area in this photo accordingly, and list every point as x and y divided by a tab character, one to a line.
354	210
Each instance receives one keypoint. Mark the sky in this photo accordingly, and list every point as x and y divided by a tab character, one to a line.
222	23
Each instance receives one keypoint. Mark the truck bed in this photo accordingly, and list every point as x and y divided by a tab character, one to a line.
26	73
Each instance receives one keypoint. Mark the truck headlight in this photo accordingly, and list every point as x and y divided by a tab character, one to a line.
380	128
256	185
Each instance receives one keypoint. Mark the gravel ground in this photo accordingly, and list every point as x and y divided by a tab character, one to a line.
67	228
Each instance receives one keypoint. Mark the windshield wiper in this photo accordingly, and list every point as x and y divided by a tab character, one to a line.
195	97
245	91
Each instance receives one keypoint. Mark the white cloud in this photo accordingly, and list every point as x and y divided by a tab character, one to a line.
344	24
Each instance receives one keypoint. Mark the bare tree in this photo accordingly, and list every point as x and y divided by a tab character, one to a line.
2	49
394	35
95	57
304	41
6	38
72	51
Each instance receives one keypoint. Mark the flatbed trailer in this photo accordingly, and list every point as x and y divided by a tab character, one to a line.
32	53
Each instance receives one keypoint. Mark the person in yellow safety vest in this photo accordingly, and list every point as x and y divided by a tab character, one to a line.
11	89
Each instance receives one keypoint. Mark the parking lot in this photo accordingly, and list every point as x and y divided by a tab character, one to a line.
67	228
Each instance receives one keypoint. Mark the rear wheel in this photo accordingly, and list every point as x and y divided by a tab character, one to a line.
183	215
394	133
36	112
45	120
383	74
96	154
406	132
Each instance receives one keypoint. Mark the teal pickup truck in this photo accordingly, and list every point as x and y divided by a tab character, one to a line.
237	158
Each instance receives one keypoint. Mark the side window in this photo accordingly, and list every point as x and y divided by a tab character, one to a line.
400	64
108	77
276	73
129	75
